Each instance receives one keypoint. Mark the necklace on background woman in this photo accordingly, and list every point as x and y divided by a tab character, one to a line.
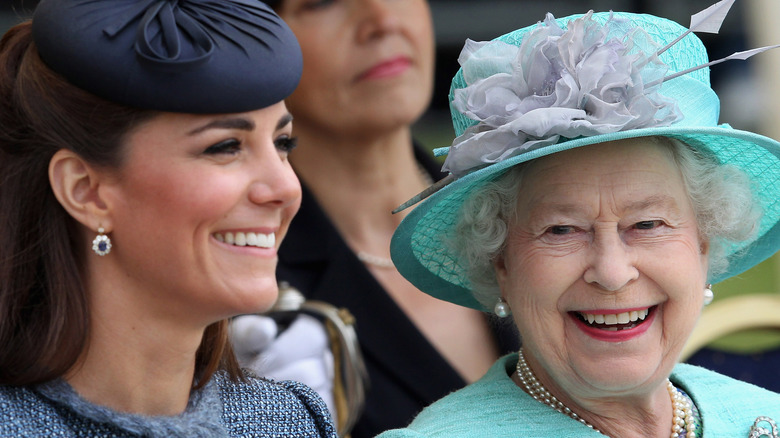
684	422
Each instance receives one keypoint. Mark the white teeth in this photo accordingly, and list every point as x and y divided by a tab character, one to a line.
613	319
248	239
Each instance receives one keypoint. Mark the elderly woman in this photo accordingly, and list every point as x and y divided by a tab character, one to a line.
145	189
595	199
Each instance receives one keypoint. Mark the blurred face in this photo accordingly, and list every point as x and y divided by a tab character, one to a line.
368	64
603	268
199	208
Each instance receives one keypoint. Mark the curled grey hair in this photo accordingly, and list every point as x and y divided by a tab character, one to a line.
722	199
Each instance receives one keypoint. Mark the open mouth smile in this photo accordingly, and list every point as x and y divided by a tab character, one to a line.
614	321
615	327
258	240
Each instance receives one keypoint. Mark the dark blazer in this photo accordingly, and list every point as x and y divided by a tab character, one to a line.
406	372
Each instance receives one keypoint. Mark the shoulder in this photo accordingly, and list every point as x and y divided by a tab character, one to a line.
285	408
23	412
729	407
702	380
493	406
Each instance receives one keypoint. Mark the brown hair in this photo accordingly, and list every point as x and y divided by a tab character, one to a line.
44	311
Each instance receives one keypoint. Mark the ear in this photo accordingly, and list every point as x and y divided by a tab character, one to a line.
499	265
75	184
704	256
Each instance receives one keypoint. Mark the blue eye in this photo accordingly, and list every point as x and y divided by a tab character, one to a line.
286	144
560	229
647	225
231	146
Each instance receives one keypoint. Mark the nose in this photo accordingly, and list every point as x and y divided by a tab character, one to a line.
376	18
611	264
274	183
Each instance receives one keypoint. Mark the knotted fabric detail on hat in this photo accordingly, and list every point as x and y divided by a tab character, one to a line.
557	85
191	56
172	31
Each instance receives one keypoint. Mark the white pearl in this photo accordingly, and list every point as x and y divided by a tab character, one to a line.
708	296
501	309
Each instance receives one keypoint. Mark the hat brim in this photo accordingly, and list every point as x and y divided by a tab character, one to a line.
421	254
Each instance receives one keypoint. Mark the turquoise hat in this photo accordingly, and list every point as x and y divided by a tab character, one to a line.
567	83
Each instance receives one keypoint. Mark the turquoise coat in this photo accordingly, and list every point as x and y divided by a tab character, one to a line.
495	407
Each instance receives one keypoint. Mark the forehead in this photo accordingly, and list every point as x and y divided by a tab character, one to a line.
634	171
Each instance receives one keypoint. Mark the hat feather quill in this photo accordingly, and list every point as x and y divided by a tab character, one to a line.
708	21
736	55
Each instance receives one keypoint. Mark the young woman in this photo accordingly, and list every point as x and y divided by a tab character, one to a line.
145	191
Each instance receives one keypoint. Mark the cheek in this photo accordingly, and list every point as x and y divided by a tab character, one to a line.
183	197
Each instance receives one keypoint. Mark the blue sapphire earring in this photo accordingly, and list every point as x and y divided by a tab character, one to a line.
102	244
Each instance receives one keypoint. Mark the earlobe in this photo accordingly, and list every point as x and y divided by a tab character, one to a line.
75	185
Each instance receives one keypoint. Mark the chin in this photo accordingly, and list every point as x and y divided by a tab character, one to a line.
257	299
624	374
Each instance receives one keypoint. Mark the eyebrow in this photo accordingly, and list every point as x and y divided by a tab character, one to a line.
227	123
636	205
652	201
238	123
284	121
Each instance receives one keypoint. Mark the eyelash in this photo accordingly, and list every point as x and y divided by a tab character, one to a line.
232	146
286	144
315	5
560	230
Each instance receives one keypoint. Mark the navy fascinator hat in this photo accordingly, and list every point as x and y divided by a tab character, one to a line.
187	56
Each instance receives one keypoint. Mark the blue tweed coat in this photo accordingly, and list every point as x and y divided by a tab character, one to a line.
258	408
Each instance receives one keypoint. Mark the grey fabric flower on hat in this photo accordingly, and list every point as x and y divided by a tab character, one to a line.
558	84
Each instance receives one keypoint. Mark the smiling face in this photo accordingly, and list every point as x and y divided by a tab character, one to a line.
368	64
603	268
198	209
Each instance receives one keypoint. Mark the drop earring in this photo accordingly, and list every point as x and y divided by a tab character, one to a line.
501	308
102	244
708	294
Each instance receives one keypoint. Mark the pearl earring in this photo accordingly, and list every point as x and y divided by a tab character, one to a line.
501	308
102	244
708	294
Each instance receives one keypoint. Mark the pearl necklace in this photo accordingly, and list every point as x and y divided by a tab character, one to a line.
683	419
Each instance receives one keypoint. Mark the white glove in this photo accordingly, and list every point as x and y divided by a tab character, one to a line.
300	353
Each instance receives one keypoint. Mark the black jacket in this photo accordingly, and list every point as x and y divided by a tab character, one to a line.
406	372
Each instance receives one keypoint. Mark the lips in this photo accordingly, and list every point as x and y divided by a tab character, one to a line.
258	240
388	68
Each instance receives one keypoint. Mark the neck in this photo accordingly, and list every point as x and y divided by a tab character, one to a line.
358	182
135	362
648	415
